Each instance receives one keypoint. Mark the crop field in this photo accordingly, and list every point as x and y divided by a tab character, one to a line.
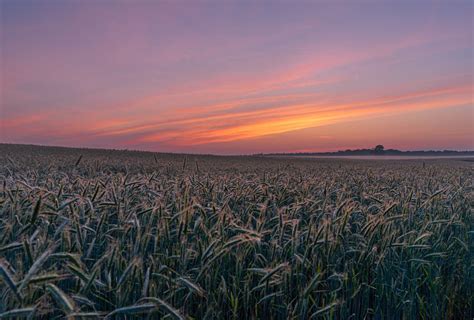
130	235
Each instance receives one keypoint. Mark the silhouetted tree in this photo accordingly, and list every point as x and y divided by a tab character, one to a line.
379	149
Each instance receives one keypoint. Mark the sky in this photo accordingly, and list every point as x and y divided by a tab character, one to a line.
237	77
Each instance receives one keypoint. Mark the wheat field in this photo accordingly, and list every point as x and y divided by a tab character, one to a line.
130	235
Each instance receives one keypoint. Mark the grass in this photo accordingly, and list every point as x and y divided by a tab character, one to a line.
121	234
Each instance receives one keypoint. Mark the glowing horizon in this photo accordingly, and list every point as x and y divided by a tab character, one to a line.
235	77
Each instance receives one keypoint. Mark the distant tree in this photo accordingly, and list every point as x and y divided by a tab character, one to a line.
379	149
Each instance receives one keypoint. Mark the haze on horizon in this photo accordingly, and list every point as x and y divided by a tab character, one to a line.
237	76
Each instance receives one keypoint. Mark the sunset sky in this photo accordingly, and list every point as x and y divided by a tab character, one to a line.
237	77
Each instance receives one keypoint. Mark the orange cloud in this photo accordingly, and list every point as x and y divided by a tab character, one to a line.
252	124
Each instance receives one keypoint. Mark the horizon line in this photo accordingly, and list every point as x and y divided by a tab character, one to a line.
215	154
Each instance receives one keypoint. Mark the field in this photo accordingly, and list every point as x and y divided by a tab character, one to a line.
122	234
